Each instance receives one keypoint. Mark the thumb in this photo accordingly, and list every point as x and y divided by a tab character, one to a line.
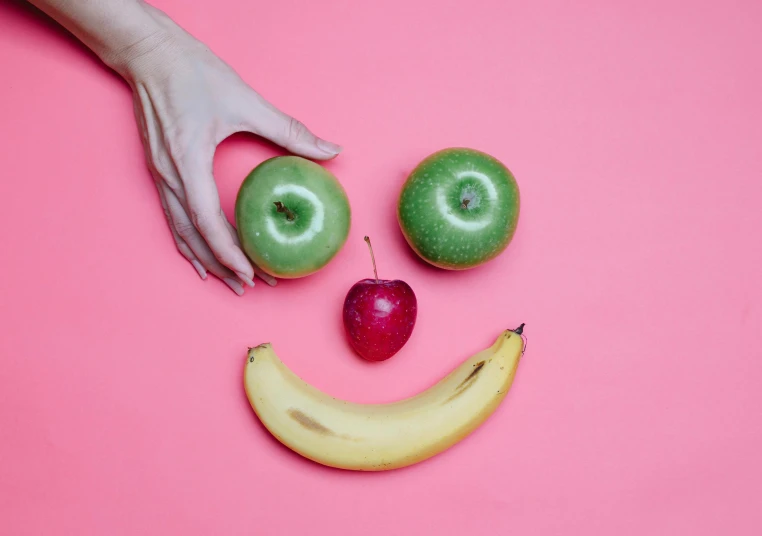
290	133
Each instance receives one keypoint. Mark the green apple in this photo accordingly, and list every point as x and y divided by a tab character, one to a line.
292	215
459	208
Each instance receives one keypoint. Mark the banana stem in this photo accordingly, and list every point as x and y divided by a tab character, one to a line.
519	330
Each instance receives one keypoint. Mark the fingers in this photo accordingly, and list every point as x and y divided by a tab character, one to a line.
187	232
182	246
264	276
203	206
267	121
187	240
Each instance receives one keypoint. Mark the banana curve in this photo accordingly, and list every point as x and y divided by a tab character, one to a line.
372	437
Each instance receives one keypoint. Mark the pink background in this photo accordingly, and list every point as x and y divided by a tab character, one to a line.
635	132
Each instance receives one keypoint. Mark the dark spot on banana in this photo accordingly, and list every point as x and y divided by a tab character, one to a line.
309	423
477	367
465	384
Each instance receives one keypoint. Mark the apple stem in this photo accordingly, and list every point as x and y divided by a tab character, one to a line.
464	203
290	216
372	258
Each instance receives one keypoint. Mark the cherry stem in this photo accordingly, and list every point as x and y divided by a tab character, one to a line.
290	216
464	203
372	258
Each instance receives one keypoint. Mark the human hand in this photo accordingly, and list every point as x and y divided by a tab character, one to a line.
187	100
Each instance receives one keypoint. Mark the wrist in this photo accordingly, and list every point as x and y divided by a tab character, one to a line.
116	30
155	48
139	55
132	36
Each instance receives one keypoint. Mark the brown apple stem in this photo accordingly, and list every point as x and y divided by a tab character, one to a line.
464	203
372	258
290	216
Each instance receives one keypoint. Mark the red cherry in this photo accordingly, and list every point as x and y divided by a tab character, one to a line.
379	315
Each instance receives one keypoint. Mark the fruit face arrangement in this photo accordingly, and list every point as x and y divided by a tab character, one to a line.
458	209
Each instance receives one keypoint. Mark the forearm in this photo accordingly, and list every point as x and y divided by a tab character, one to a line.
116	30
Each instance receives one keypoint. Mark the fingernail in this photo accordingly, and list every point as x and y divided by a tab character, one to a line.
270	280
200	269
328	147
234	285
245	279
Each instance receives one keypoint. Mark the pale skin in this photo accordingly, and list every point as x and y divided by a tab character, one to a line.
186	100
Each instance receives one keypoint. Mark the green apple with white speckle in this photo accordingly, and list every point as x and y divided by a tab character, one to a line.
292	215
459	208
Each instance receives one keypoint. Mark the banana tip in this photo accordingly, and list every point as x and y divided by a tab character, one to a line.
519	330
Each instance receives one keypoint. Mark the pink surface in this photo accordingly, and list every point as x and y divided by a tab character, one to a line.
634	131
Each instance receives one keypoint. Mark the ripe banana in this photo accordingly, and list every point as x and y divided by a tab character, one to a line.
376	437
